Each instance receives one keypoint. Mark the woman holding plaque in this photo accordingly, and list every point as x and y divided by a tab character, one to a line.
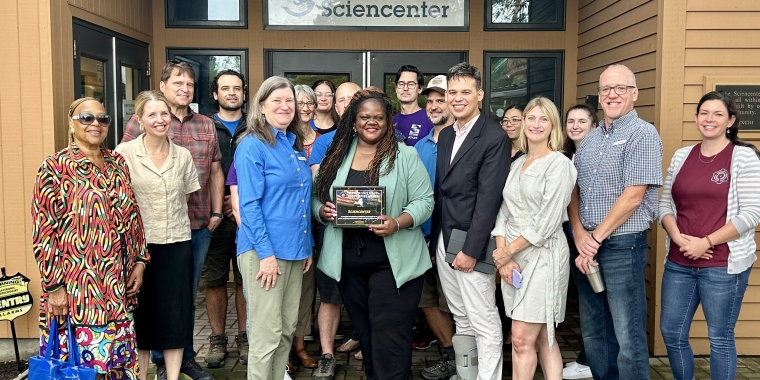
274	238
532	253
378	267
710	207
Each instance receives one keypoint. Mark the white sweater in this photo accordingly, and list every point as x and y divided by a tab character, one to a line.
743	203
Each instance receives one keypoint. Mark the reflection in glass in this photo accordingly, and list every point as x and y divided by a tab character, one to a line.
309	79
523	11
130	80
390	89
206	10
93	78
206	67
517	80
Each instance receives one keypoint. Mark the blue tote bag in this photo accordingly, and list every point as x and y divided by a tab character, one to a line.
50	367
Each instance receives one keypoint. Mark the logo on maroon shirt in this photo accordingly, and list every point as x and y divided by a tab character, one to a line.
720	176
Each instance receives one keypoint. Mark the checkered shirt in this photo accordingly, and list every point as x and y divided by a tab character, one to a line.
628	153
196	133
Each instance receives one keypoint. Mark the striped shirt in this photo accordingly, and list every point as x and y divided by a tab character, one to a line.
628	153
743	203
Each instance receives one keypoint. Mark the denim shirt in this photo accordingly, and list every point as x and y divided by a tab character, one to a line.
427	148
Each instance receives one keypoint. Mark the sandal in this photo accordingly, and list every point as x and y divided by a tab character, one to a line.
358	356
348	346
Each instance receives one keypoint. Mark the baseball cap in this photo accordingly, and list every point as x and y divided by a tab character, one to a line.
437	84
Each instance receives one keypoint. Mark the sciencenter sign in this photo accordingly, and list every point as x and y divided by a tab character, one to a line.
367	14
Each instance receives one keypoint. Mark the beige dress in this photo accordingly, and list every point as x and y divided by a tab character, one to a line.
533	207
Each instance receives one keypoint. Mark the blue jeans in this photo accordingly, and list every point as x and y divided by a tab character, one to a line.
613	322
721	294
200	239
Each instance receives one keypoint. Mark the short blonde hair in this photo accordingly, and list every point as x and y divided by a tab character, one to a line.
556	137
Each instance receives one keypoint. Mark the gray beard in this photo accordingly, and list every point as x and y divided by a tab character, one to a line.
442	120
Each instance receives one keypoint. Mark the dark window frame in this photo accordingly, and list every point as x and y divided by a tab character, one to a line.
172	52
560	24
170	22
559	78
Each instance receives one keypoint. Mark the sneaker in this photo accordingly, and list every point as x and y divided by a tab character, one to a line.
193	371
423	343
576	371
443	369
311	335
160	372
217	350
241	341
326	368
340	335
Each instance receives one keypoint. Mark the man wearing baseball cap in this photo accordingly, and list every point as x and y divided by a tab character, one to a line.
433	302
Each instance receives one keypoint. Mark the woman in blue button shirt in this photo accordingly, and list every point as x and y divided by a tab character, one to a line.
274	239
379	269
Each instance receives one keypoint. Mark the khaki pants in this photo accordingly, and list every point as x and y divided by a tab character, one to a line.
272	316
306	304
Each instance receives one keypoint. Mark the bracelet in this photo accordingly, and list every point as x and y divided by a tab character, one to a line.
141	262
709	241
398	225
597	241
218	215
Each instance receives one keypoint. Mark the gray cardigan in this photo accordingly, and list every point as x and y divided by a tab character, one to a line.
743	203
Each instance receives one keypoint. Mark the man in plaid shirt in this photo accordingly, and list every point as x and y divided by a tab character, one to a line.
619	172
196	133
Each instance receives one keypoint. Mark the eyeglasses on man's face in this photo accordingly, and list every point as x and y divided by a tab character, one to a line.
619	89
86	118
409	85
514	120
308	104
327	95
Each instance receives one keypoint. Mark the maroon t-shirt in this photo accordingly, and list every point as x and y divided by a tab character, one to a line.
700	192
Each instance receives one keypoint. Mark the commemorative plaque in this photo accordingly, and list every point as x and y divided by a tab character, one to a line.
358	206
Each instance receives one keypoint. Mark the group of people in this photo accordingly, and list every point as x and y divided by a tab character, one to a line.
122	237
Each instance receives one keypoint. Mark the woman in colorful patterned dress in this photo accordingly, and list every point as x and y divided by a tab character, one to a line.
89	244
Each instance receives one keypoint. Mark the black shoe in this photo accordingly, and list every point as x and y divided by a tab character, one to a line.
193	371
443	369
340	335
160	372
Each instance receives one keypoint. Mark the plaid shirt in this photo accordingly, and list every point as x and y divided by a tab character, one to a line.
628	153
196	133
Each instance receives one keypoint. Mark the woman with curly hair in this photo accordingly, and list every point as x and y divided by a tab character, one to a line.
379	269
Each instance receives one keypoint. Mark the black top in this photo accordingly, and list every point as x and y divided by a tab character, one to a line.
361	247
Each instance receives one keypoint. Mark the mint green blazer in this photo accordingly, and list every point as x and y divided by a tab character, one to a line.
407	189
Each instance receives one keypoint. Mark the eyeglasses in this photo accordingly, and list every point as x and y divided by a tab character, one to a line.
327	95
86	118
515	120
619	89
308	104
409	85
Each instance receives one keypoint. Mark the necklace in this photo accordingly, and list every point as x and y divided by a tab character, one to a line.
703	161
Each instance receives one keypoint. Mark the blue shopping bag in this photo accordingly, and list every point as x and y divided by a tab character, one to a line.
73	368
47	367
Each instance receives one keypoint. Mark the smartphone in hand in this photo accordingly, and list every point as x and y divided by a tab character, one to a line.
516	278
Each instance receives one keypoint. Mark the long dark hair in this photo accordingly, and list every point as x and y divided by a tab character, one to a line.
387	147
733	131
328	83
569	148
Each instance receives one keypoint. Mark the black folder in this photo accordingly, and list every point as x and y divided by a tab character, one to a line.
456	242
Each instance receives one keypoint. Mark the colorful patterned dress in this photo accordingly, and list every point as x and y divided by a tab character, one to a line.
87	237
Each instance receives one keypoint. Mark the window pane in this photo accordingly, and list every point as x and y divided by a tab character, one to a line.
206	67
130	86
517	80
206	13
93	79
309	79
390	90
526	14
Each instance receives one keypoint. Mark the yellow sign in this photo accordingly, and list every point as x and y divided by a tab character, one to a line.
15	299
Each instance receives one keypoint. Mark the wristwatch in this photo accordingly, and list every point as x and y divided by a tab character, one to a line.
217	214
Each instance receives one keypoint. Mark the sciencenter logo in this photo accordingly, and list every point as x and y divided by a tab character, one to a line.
336	9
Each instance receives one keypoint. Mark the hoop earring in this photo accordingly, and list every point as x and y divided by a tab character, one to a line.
354	128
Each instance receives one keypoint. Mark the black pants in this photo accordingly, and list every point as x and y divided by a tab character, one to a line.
383	318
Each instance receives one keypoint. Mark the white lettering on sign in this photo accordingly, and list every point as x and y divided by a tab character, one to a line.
367	14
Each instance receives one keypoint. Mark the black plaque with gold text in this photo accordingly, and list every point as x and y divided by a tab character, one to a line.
358	206
747	99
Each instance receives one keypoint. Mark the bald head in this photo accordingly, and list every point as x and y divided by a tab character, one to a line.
343	95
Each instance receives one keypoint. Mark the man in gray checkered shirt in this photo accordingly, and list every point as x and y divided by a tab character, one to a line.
619	172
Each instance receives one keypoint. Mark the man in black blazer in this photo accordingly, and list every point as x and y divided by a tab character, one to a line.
471	169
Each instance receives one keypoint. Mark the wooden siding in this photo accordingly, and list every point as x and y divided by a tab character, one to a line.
625	32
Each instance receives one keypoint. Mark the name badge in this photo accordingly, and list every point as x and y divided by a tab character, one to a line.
530	174
621	142
301	158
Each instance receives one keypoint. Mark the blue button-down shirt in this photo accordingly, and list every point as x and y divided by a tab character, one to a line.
319	149
628	153
427	149
274	186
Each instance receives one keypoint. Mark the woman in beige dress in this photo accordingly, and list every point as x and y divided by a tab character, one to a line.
529	240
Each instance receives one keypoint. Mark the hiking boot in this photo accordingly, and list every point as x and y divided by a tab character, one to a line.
241	340
443	369
326	368
160	372
217	350
191	370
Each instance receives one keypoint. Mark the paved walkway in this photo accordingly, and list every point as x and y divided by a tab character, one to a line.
349	368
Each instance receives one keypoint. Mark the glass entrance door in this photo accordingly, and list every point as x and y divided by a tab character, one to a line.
111	68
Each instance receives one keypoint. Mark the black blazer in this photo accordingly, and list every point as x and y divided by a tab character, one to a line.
468	189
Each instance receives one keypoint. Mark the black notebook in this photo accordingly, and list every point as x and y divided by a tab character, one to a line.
456	242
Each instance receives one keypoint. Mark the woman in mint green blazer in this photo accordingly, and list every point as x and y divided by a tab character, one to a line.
379	269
